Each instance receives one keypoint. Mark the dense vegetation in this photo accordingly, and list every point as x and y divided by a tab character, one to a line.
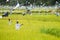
37	2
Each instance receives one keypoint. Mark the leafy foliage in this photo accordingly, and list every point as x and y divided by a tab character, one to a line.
37	2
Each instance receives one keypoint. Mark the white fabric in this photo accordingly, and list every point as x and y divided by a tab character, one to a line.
0	16
17	26
16	6
9	22
7	0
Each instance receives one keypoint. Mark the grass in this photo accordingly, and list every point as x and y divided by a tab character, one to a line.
30	30
51	31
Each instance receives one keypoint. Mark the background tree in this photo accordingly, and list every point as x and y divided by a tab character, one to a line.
37	2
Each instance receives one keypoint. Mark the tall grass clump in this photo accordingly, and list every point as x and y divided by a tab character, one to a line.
51	31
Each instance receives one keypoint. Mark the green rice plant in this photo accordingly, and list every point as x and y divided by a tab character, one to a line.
51	31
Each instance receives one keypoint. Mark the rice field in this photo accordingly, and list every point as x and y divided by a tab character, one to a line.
31	29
